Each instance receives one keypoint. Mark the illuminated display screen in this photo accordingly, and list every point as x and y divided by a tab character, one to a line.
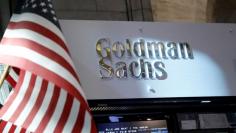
154	126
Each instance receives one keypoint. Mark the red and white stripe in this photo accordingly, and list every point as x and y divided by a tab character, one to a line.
40	106
12	77
47	96
8	127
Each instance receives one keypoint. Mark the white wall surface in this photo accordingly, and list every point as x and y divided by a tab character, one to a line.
212	72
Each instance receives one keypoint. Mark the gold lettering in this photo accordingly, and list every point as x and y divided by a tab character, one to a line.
173	51
161	74
106	71
185	47
135	70
139	48
128	47
118	49
121	71
160	48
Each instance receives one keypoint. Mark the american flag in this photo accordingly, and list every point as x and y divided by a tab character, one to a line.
46	95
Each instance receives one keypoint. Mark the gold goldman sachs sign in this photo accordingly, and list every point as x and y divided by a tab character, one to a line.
140	59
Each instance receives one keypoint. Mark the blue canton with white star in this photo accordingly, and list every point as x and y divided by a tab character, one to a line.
43	8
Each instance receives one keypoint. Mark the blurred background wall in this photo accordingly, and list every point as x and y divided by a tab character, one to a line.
125	10
194	11
220	11
182	10
5	12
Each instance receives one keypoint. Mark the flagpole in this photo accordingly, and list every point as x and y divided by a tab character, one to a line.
4	74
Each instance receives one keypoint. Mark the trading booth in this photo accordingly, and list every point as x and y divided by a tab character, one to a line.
152	77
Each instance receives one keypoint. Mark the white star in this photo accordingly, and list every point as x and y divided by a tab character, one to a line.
53	12
55	18
44	10
34	5
26	5
32	1
50	5
42	4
